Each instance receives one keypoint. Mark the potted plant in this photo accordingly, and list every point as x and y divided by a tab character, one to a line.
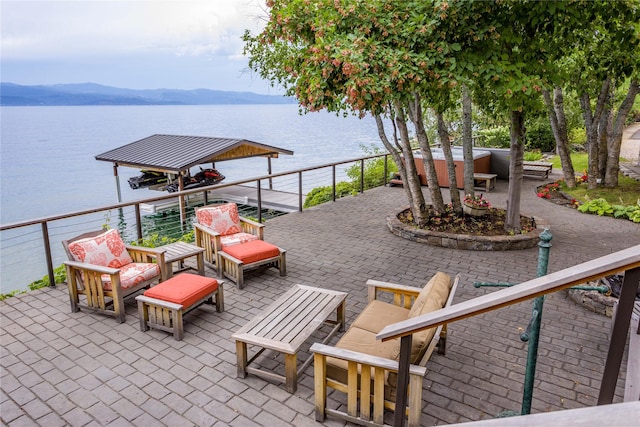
475	205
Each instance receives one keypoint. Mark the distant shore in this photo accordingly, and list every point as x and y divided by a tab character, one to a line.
92	94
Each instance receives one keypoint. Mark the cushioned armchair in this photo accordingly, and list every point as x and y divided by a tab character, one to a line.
221	225
106	271
365	368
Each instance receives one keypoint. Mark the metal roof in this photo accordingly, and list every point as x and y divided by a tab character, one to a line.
175	153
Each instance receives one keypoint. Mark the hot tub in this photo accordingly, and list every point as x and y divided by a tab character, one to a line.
481	164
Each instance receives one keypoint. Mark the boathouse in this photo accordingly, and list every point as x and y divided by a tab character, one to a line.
175	155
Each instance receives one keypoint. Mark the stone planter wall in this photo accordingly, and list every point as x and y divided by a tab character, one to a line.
593	300
463	241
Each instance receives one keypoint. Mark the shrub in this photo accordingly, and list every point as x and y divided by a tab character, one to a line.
577	136
321	195
632	213
540	136
373	169
532	156
498	137
155	240
373	177
59	275
598	207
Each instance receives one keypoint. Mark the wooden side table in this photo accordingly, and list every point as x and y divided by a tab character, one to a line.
178	252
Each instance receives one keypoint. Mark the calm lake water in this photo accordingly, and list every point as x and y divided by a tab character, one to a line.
47	163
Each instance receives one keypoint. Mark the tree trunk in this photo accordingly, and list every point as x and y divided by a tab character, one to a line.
396	153
615	143
415	113
555	110
516	155
467	141
591	121
406	167
451	166
604	131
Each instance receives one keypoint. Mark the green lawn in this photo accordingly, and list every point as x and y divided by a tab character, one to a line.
627	193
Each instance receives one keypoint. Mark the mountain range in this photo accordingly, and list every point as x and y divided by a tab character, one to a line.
95	94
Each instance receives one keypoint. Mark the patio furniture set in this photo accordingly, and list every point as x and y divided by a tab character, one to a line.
105	271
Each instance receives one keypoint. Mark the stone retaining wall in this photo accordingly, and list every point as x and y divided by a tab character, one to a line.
464	241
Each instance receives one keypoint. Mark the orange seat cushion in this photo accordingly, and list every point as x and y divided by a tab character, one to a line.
185	289
253	251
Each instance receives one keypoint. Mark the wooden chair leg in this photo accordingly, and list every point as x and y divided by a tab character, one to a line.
442	342
143	314
220	298
282	264
178	325
320	388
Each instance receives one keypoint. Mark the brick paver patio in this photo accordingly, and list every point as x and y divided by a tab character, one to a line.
61	368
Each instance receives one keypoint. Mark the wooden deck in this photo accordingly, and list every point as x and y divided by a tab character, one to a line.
271	199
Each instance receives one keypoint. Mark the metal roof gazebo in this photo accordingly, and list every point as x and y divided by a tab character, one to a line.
177	154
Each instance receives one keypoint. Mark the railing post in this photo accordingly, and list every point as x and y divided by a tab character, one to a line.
138	221
619	333
259	202
361	176
47	254
300	191
386	168
403	381
534	335
333	173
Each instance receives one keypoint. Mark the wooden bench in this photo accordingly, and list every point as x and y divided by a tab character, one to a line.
396	179
537	169
488	181
365	369
164	306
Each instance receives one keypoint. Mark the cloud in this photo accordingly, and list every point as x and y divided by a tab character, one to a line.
140	44
71	29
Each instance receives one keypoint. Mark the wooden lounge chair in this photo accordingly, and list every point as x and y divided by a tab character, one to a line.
365	369
219	226
106	271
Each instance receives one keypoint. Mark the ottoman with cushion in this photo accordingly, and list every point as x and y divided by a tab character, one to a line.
163	306
234	260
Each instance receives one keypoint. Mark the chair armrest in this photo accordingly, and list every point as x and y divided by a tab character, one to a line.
91	267
155	252
144	254
362	358
403	295
199	228
252	227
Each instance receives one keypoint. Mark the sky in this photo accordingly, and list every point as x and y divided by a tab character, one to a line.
136	44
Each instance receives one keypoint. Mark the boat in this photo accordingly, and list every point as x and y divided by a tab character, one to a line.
202	179
147	179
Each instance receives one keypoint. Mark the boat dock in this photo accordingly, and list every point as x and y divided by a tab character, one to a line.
282	201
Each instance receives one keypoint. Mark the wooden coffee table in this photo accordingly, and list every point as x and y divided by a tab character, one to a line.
179	252
285	325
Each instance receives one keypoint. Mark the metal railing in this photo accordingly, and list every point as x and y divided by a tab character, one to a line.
23	238
627	260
